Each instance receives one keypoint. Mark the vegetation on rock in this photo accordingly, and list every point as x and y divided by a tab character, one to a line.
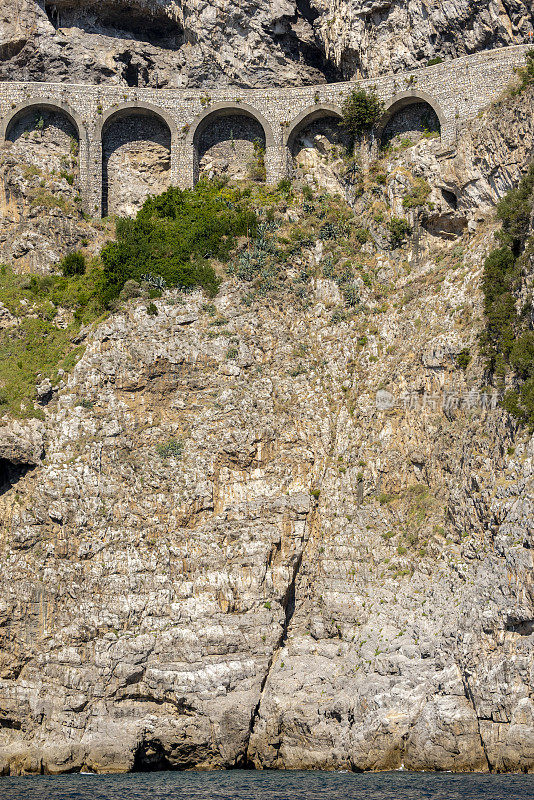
417	195
399	230
73	264
174	235
508	339
525	73
48	311
256	165
361	111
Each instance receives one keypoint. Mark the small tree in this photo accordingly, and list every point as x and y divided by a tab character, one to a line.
399	230
73	264
361	111
256	165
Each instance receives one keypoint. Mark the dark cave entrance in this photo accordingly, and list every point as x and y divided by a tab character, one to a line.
131	74
308	50
150	757
125	21
53	14
10	474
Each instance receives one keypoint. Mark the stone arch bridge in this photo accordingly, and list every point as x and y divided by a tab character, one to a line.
456	90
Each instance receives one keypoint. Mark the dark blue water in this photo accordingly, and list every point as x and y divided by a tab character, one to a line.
237	785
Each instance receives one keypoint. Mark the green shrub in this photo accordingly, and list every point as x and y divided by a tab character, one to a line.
338	315
384	498
129	290
520	403
362	235
40	198
526	73
351	296
399	230
173	448
463	358
68	176
360	112
73	264
507	342
434	61
417	195
515	209
35	349
152	310
173	236
256	165
522	355
284	186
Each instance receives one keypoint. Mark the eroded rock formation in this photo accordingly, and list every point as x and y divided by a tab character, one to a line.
157	43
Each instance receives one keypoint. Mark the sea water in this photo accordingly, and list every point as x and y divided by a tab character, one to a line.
250	785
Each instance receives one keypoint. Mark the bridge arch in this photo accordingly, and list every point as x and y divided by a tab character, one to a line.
135	108
46	104
259	128
306	117
314	143
55	143
137	139
404	100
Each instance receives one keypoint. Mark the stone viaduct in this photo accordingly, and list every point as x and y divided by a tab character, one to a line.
457	90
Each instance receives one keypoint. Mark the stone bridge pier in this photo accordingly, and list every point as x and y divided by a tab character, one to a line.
167	132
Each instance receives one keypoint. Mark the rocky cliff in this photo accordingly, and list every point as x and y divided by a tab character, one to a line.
277	529
258	43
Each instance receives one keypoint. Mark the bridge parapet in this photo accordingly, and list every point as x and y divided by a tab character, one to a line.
457	90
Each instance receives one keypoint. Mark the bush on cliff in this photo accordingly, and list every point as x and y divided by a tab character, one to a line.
508	341
73	264
526	72
399	230
43	341
361	111
174	236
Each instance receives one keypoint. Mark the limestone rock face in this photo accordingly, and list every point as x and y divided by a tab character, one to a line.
270	533
237	553
21	444
258	43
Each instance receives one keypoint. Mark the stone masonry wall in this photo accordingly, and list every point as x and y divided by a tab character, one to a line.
457	90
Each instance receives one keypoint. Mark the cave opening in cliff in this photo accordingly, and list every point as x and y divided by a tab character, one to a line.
150	756
52	13
306	11
450	198
296	37
120	21
232	145
136	160
408	121
130	72
10	474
